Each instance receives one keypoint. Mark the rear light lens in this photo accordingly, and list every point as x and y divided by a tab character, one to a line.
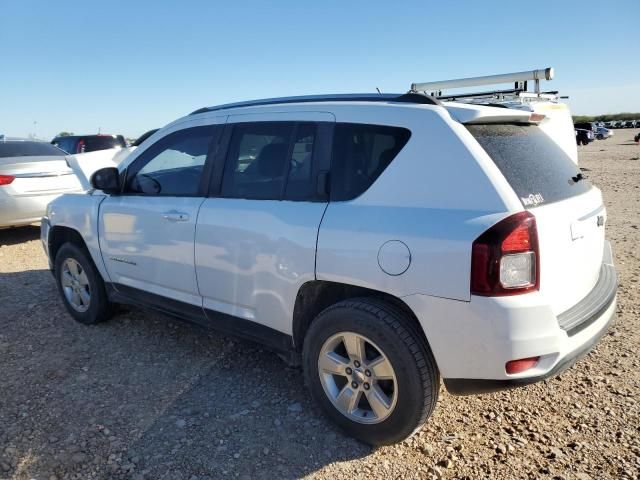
519	366
6	179
505	259
518	270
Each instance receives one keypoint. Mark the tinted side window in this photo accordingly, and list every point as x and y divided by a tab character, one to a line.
65	144
257	160
360	155
173	166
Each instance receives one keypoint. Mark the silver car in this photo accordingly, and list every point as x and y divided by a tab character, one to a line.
31	175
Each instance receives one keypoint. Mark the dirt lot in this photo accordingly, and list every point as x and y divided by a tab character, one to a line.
144	396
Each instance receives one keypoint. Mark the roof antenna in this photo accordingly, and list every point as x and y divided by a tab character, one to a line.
378	90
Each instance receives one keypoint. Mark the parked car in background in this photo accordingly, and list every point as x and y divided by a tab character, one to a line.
587	126
31	175
85	164
88	143
584	137
248	217
603	133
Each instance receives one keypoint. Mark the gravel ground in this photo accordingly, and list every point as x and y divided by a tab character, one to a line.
146	397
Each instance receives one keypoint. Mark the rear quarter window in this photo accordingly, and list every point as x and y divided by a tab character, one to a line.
360	154
537	169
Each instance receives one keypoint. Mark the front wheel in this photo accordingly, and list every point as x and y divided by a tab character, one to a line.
367	365
80	285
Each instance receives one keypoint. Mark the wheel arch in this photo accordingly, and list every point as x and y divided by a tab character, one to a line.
316	295
59	235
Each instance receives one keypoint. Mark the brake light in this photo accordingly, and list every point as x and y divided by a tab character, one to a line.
6	179
505	259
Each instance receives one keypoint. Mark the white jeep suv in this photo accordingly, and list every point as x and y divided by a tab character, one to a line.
383	241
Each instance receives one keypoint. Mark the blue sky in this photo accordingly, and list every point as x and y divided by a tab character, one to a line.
129	66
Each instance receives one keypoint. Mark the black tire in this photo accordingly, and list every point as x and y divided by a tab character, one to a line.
99	309
418	379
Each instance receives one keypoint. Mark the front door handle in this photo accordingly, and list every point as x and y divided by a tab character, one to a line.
174	216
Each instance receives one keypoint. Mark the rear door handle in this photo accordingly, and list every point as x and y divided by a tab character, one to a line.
174	216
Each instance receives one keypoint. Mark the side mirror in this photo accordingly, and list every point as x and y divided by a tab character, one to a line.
106	179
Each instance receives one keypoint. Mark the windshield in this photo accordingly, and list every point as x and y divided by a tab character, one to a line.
28	149
537	169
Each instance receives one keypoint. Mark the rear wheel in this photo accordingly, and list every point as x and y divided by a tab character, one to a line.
81	286
370	369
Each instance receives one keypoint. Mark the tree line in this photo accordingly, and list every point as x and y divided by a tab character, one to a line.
606	117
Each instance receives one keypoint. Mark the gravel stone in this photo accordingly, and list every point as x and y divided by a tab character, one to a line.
82	402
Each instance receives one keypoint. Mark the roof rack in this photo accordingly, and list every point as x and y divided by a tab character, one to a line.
519	93
410	97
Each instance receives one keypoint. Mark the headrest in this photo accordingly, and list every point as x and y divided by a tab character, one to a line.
271	160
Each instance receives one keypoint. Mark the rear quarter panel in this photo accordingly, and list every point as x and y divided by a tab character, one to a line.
438	195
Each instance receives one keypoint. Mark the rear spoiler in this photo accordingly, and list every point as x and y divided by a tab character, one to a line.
470	114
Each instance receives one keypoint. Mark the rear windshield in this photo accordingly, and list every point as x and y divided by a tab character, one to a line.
91	144
537	169
28	149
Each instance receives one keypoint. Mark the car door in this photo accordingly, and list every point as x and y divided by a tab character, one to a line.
256	234
147	232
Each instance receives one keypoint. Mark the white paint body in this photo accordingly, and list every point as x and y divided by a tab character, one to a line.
249	258
39	180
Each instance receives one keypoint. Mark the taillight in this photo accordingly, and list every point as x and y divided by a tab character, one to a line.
6	179
505	259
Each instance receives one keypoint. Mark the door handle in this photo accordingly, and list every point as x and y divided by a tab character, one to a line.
175	216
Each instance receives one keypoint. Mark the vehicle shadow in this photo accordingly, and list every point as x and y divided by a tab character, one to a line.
145	396
14	236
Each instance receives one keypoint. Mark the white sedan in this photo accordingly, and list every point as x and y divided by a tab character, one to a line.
31	175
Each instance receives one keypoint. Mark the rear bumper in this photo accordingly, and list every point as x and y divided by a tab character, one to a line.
473	341
23	210
473	386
